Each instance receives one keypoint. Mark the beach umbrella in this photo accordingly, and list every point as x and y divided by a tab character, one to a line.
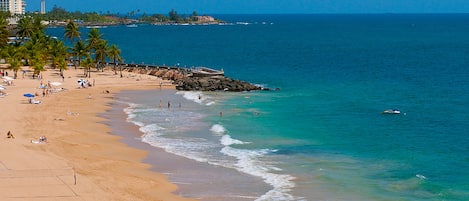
2	87
55	83
81	82
29	95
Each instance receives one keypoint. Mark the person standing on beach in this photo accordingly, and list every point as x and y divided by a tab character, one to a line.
169	104
10	135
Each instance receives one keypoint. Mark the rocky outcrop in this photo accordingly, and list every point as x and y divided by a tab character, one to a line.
216	83
184	81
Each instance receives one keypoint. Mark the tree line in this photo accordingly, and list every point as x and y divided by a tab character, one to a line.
59	14
34	48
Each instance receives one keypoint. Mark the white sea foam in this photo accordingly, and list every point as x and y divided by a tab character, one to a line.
138	123
249	161
198	97
227	141
210	103
151	128
201	150
130	111
195	96
218	129
190	148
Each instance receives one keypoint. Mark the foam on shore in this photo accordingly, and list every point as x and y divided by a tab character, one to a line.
177	131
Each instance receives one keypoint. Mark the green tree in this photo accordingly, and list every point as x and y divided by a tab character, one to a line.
4	32
35	48
57	53
37	25
38	64
95	46
94	38
71	31
79	51
12	55
114	54
173	15
25	27
88	63
101	51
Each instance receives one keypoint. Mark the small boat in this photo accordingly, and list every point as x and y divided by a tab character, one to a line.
206	72
391	111
131	25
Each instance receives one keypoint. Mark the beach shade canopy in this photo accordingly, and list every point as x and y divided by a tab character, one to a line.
29	95
55	83
81	82
7	78
2	87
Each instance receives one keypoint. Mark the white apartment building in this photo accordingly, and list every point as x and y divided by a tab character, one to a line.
13	6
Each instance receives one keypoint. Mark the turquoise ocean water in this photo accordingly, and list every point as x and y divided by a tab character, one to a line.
321	136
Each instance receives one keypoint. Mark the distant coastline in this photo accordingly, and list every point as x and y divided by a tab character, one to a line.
204	20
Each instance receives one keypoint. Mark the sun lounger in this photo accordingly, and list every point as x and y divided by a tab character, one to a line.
33	101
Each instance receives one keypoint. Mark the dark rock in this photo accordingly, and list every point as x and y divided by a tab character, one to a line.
217	83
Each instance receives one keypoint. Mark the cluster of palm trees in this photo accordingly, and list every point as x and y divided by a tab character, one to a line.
93	52
36	49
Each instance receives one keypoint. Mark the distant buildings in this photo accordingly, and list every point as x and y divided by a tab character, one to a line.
13	6
43	6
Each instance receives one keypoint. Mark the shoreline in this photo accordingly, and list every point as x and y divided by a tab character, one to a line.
195	179
82	158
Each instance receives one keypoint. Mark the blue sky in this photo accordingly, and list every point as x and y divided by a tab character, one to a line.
257	6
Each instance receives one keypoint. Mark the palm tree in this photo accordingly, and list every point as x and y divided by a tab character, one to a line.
114	54
79	51
62	65
57	53
93	39
25	27
101	50
37	25
15	65
72	31
4	33
12	55
88	63
38	64
36	47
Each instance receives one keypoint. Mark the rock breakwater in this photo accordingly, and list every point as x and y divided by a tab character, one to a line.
181	77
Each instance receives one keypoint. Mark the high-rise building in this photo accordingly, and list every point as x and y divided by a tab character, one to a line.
13	6
43	6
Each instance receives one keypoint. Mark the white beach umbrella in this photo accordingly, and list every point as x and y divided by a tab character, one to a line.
81	82
2	87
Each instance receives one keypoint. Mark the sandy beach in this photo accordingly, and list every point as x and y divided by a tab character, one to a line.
81	159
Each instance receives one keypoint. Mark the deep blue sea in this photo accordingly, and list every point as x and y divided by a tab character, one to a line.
322	135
